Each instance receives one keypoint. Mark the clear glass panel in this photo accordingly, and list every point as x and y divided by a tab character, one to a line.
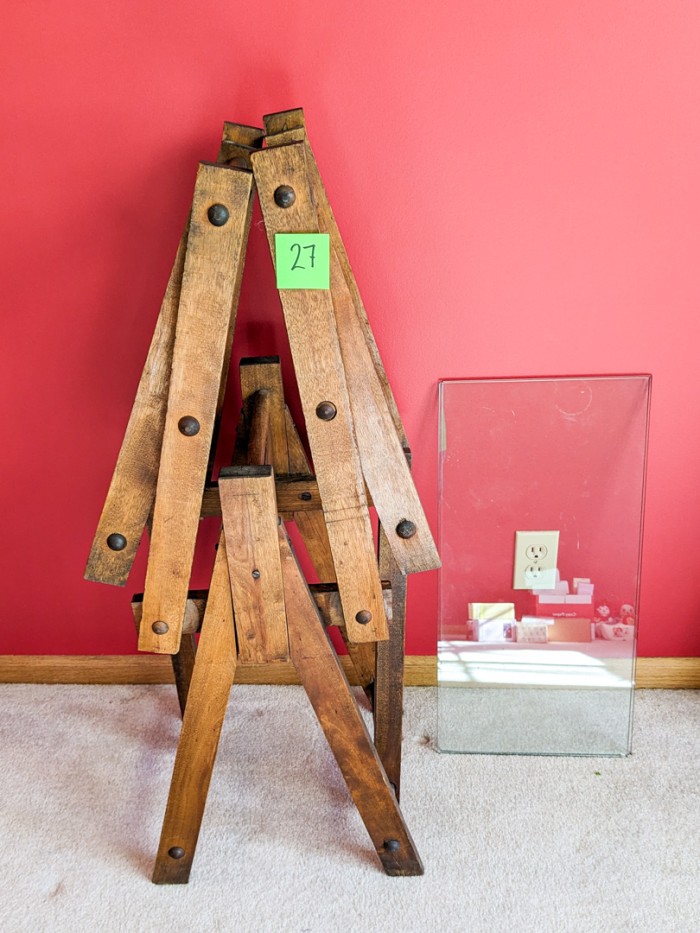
541	503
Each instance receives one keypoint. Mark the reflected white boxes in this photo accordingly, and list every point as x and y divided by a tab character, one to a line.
555	674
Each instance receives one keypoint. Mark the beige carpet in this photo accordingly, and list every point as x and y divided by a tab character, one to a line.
509	844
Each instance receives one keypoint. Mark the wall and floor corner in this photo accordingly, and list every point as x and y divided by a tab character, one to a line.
524	202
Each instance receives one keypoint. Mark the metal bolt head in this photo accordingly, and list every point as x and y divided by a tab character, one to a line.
405	529
306	496
160	628
326	411
392	845
363	617
256	574
176	852
188	425
218	215
116	542
285	196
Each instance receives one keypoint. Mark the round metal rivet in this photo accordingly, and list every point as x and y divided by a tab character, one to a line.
176	852
160	628
256	574
188	426
405	529
392	845
238	162
285	196
306	496
326	411
218	215
363	617
116	542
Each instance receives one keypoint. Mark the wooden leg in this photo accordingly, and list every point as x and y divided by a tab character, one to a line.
388	686
330	695
183	661
312	527
212	677
183	664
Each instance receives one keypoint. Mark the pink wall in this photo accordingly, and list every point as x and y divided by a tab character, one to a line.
518	188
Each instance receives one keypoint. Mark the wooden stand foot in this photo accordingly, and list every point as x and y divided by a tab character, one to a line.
212	677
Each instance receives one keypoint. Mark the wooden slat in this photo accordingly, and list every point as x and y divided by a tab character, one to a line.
211	682
238	142
133	486
194	610
319	369
388	686
264	374
250	525
383	459
312	527
183	666
381	438
325	596
283	120
259	436
182	660
289	126
329	693
364	659
211	281
311	524
298	461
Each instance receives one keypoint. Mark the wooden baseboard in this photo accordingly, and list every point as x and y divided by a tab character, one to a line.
420	671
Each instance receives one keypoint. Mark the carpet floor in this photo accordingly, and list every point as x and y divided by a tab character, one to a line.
509	843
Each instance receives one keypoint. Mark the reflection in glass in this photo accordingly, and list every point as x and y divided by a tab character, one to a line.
541	502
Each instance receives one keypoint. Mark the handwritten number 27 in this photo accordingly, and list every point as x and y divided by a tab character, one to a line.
297	247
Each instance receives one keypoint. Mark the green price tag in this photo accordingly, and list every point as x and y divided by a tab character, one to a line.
302	260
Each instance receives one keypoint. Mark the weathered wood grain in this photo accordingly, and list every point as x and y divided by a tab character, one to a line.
292	493
183	660
329	693
211	281
264	374
183	666
250	526
312	527
378	428
282	121
383	460
388	685
259	435
311	524
132	489
319	369
325	595
238	142
210	685
289	126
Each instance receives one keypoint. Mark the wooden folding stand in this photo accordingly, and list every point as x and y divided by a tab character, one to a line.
259	607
